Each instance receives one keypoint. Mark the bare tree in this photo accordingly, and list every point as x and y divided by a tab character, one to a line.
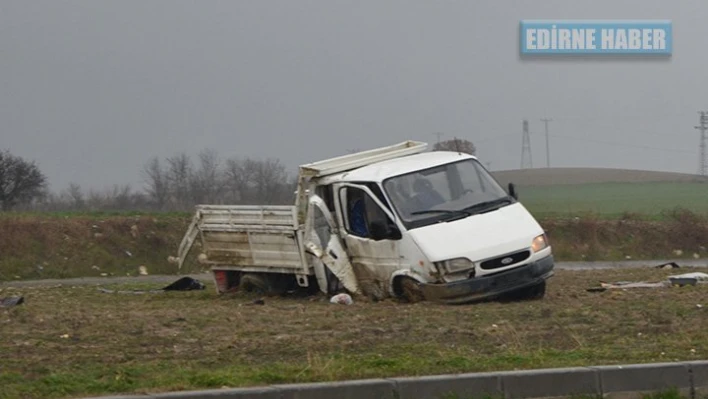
270	180
20	181
76	196
240	179
205	182
456	144
178	176
157	181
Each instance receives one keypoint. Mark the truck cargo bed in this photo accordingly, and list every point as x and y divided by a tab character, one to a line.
248	238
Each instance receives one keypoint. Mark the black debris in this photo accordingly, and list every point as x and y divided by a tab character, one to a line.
11	301
185	284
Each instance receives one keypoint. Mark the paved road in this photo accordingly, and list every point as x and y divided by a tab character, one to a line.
207	277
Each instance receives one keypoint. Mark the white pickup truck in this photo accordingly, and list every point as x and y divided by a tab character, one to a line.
397	221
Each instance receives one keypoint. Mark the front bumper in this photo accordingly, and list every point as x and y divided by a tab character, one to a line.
488	287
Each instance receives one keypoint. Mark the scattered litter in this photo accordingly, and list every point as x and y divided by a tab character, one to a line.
104	274
143	271
696	256
342	299
670	265
128	253
94	267
699	306
183	284
676	280
65	336
11	301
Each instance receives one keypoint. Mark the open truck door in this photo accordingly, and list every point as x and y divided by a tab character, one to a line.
323	242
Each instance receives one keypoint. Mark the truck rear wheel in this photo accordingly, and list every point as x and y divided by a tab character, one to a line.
254	283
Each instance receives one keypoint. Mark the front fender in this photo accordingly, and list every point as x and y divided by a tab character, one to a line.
404	273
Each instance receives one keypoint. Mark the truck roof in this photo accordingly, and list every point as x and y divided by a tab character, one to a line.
379	171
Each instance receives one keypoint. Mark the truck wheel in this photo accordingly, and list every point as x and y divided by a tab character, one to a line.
410	290
254	283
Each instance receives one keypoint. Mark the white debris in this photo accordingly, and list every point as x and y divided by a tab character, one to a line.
342	299
143	271
697	275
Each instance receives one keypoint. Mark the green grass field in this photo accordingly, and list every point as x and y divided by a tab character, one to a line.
615	199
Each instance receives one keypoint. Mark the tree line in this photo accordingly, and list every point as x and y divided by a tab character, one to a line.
175	183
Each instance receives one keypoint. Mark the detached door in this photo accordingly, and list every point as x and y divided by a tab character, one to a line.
371	236
322	242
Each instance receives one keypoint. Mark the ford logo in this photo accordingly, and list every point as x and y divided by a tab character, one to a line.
506	261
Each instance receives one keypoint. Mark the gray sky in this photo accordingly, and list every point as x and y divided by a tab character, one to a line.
92	89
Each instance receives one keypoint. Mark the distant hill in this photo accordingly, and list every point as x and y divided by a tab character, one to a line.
565	176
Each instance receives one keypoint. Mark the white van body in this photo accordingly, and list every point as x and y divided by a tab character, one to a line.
430	226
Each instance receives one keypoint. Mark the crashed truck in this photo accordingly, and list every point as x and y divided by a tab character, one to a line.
397	221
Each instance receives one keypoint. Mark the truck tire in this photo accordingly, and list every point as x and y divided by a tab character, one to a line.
410	290
254	283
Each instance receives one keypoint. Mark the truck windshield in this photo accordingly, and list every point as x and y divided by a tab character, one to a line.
444	192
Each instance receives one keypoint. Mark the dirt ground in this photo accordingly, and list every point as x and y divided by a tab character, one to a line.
74	341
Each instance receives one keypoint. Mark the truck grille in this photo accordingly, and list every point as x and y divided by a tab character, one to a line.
509	259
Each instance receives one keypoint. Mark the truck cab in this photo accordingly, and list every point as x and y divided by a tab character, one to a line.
403	222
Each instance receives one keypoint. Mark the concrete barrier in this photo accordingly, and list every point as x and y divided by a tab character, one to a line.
625	381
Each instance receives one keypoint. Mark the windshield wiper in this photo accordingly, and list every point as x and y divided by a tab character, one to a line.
487	205
452	214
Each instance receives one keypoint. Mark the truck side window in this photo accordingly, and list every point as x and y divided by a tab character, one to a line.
362	212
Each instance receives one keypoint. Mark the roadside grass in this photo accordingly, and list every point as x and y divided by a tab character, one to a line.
68	342
39	247
613	200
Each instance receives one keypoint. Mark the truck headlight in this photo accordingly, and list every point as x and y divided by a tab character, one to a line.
539	243
455	265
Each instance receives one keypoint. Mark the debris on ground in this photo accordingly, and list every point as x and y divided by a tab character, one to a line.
676	280
670	265
143	271
11	301
342	299
183	284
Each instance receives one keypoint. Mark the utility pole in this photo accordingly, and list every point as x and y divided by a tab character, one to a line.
548	151
702	160
438	134
526	161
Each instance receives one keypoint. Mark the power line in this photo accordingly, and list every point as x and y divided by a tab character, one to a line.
702	161
624	144
548	151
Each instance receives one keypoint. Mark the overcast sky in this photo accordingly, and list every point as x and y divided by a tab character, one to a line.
93	89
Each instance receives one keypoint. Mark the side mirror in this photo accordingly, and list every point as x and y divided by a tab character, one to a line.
382	231
512	191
